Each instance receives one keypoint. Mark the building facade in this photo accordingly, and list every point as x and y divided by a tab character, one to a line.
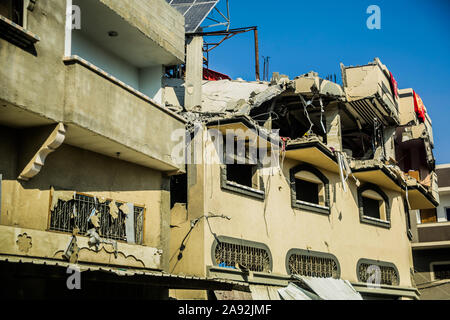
337	204
90	179
84	155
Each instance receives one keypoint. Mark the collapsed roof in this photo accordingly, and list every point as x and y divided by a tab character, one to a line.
363	119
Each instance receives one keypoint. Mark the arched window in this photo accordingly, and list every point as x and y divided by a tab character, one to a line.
229	252
310	189
374	207
377	272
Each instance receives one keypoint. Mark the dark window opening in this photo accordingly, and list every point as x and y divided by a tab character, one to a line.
371	208
428	215
447	213
241	174
307	191
358	144
13	10
178	189
441	271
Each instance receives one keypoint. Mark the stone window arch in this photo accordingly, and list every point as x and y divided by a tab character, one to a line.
309	189
374	206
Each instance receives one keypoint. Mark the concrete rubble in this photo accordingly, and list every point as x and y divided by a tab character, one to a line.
362	116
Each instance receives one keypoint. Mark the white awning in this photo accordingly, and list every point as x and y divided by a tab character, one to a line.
330	289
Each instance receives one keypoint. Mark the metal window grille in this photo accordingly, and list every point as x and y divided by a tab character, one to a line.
75	214
389	275
255	259
313	266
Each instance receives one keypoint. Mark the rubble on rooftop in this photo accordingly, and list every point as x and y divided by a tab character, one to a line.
363	118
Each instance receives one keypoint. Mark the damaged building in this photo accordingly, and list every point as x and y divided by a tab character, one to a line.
355	161
90	180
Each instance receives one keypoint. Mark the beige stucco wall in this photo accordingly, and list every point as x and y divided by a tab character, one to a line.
26	204
275	223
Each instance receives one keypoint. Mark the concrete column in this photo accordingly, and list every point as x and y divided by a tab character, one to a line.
164	236
194	73
389	145
333	121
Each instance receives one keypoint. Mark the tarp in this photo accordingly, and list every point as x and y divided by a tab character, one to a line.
394	85
264	292
331	289
212	75
294	292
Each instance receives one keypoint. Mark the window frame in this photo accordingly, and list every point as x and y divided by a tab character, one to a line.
432	272
370	220
241	242
22	18
379	264
235	187
315	254
17	33
303	205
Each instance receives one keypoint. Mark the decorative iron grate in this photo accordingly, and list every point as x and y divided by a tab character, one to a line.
75	214
388	275
312	266
254	259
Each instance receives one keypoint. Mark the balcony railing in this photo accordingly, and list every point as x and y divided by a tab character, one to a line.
433	232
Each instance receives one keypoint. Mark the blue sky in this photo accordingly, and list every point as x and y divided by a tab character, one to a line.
300	36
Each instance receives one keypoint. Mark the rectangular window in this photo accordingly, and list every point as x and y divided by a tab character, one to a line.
240	171
112	219
371	208
441	271
13	10
447	213
307	191
428	215
242	174
178	190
